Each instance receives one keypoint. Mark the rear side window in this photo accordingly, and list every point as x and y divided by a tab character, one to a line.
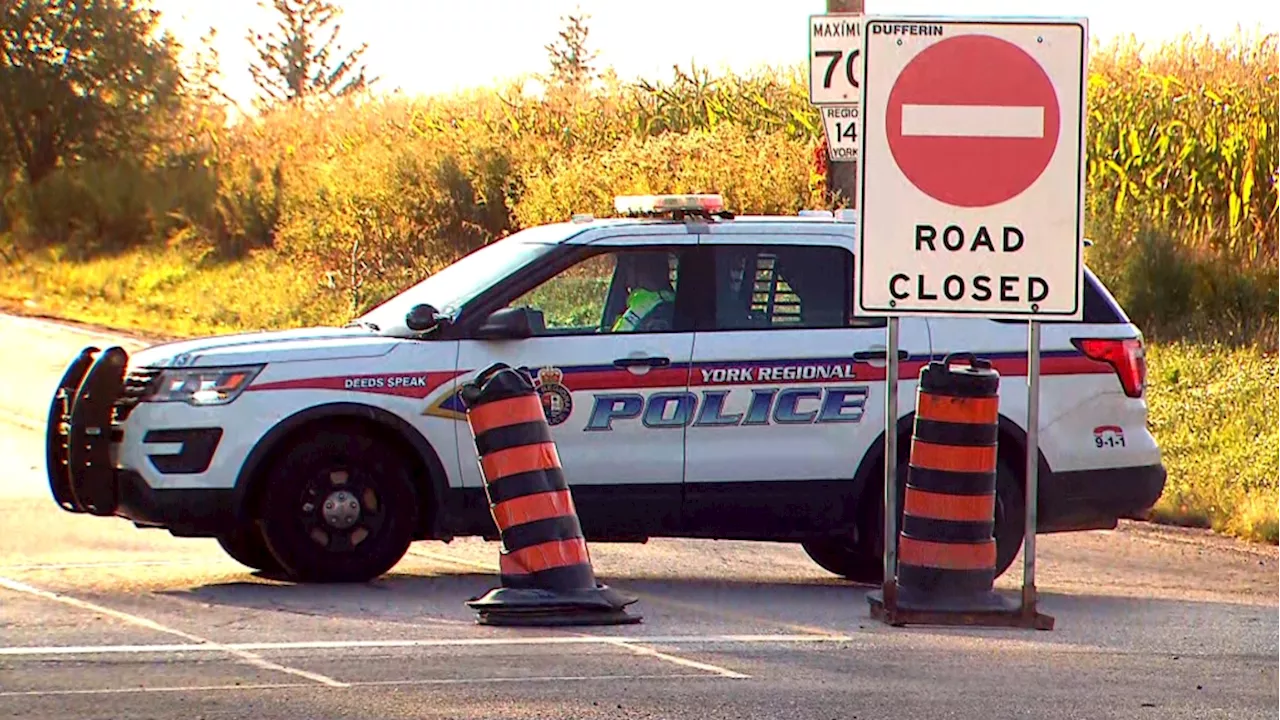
763	287
1100	308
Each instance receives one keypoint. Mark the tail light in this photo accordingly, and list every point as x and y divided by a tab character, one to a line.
1125	355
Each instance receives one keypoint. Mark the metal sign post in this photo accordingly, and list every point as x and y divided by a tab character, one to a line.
971	204
1032	491
889	587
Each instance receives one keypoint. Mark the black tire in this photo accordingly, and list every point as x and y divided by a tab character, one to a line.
311	546
862	560
1011	515
847	559
246	546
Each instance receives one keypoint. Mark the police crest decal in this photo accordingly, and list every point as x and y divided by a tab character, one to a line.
557	401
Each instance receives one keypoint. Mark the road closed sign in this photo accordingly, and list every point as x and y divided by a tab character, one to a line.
972	168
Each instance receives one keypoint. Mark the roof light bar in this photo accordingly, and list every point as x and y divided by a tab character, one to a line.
656	204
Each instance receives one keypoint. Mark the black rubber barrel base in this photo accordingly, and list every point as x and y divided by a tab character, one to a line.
535	607
975	610
909	599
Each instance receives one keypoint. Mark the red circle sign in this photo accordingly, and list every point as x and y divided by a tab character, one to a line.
972	121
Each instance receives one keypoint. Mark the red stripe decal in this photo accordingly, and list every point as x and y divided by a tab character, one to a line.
406	384
792	373
1007	367
421	384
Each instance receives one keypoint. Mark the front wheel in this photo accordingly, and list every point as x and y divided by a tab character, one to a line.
246	546
339	506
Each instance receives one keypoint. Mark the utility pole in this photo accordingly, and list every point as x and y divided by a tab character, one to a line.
842	177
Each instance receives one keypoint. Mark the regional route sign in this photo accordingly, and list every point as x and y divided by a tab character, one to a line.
835	75
972	168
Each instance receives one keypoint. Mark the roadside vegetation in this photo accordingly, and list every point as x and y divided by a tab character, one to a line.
141	206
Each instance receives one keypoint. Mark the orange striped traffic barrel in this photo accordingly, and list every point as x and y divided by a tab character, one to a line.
946	545
544	567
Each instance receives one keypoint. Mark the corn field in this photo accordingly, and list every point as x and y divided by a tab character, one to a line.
1187	141
1181	141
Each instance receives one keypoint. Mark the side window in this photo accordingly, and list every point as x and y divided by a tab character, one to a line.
616	291
761	287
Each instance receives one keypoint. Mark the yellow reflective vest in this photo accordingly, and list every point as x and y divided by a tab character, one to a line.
640	304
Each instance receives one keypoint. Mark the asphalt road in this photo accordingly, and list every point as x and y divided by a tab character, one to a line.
102	620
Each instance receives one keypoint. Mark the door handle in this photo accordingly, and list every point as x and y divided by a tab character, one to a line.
652	362
881	354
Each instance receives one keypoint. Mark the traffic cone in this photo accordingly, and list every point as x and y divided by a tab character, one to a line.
544	567
946	543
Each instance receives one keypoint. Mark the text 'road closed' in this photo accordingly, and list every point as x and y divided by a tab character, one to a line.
980	287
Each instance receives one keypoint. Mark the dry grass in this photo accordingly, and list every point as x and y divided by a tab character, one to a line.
1214	413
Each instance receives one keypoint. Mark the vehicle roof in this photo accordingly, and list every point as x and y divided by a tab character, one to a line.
590	229
591	221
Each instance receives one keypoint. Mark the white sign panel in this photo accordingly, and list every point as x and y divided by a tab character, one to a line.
840	123
835	59
972	168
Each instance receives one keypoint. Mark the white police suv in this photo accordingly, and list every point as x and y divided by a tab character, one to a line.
747	404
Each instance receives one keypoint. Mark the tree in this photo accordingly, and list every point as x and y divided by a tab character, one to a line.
80	79
570	58
295	65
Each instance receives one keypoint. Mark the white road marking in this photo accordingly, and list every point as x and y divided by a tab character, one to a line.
115	564
987	121
127	691
22	421
244	656
356	684
207	646
677	660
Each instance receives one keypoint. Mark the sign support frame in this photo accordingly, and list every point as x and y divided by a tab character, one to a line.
884	604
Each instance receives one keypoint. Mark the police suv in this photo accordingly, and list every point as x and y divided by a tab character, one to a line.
748	404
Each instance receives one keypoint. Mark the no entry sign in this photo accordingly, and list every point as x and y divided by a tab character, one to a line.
972	168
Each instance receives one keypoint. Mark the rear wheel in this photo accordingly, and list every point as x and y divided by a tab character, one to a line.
339	506
862	560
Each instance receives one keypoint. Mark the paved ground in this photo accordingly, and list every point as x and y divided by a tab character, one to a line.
99	619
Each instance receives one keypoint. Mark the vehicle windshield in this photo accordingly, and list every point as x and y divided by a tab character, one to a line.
455	285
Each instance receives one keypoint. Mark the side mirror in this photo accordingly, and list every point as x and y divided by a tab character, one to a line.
506	324
421	318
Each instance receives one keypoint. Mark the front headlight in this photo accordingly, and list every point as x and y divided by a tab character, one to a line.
203	386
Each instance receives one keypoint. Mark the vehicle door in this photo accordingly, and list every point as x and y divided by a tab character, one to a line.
790	385
614	398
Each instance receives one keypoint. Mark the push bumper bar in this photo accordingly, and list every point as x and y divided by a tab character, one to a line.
78	435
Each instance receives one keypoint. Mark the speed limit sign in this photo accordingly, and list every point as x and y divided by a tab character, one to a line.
835	62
